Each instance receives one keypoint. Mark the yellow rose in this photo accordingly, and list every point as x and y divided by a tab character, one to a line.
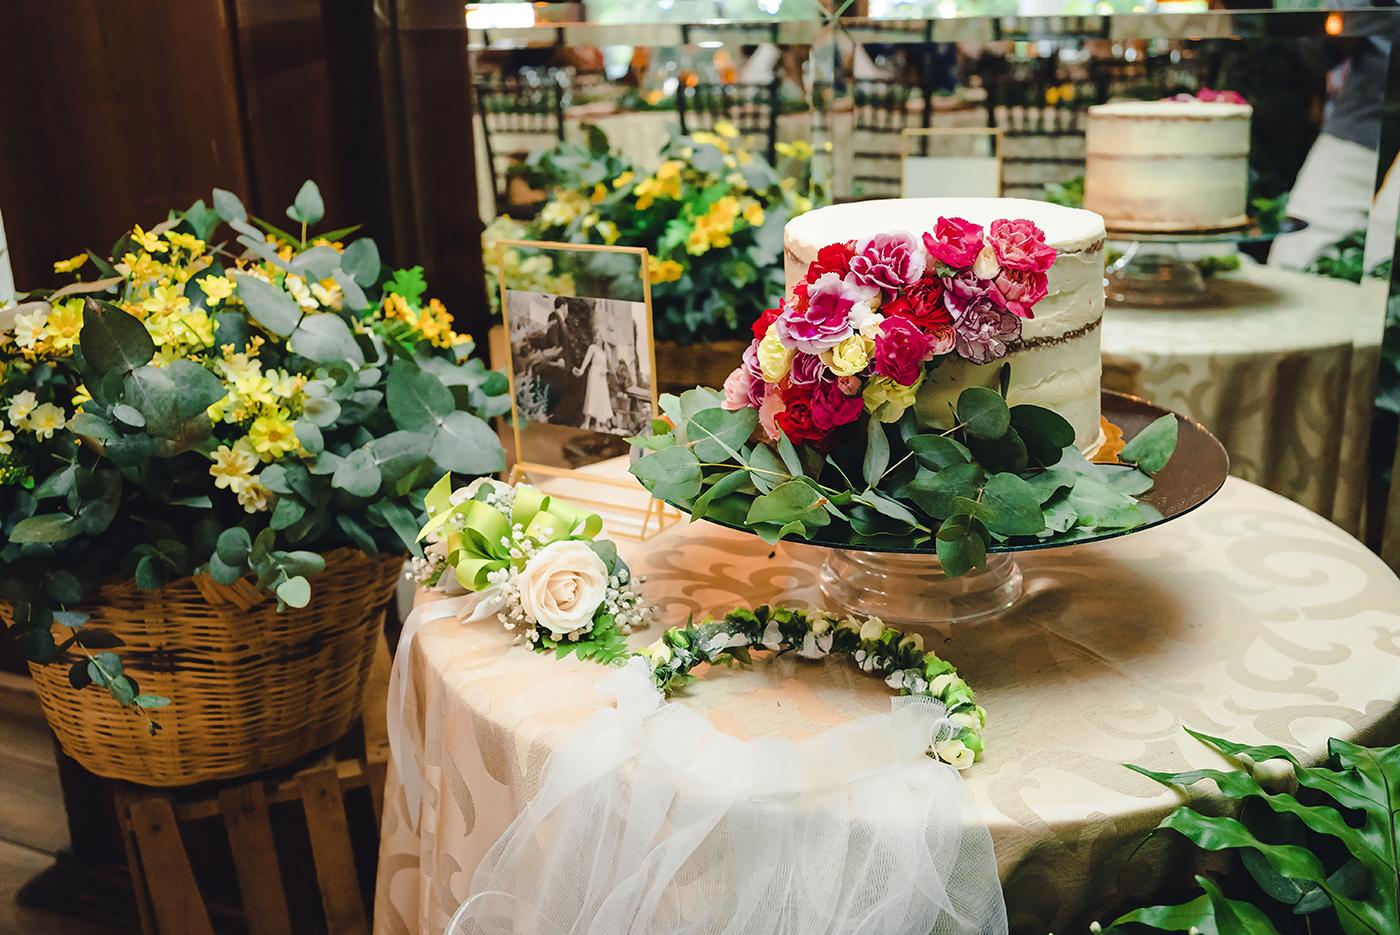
774	360
849	357
886	400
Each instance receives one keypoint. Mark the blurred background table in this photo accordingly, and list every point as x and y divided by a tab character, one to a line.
1251	618
1280	365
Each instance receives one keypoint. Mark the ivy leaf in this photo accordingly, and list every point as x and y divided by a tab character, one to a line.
877	452
1152	448
983	413
934	493
308	208
416	399
466	444
113	341
671	474
268	305
936	452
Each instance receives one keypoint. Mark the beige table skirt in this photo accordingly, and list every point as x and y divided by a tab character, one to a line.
1281	367
1251	618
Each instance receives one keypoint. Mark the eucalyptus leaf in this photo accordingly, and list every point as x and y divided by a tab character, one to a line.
112	340
1152	448
268	305
326	337
936	452
934	492
960	549
671	474
358	474
308	208
295	592
228	206
416	400
719	433
466	444
877	452
1045	432
983	413
361	261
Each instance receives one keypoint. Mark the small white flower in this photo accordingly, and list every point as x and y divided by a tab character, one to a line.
815	647
821	623
913	639
986	265
965	719
21	405
955	753
772	636
872	629
659	653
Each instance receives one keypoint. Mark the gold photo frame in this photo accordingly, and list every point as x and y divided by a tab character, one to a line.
628	510
909	134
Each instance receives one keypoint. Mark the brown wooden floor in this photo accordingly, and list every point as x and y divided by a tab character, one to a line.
33	826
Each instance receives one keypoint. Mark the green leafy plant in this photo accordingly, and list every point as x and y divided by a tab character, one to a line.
711	215
225	397
1323	859
1001	474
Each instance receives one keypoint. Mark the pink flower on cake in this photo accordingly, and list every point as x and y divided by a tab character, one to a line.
922	303
901	350
1019	244
826	321
833	258
954	242
1022	289
807	369
965	288
888	262
851	386
984	331
795	418
832	407
768	409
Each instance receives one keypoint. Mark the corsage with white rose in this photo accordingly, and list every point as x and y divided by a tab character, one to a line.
815	634
537	565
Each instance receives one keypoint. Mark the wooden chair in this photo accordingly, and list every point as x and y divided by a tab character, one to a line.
517	110
168	896
881	114
752	108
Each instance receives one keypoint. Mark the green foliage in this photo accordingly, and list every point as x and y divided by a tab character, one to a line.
712	218
1321	859
282	399
1000	474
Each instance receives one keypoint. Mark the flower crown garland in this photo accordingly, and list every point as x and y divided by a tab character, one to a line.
870	317
876	648
536	563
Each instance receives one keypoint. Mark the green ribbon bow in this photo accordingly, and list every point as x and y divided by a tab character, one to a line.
478	536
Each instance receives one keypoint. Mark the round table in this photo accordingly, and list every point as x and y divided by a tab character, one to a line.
1251	618
1281	366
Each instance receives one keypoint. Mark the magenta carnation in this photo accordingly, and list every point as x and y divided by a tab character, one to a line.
901	350
807	369
832	408
1022	289
965	288
984	331
888	262
1019	244
954	242
826	321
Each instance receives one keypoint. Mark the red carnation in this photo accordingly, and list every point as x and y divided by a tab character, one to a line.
796	418
833	258
764	321
922	304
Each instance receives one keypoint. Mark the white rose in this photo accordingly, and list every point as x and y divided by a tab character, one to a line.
966	719
955	753
562	586
872	629
986	265
659	653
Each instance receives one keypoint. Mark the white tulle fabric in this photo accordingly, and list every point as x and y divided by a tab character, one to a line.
649	820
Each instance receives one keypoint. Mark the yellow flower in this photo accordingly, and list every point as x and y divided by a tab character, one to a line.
65	324
698	243
151	243
624	179
21	405
187	242
272	436
609	231
774	359
710	139
726	129
297	287
45	420
70	264
886	400
253	496
666	271
849	357
6	437
563	208
81	395
216	288
753	213
600	191
232	466
29	329
328	293
669	170
797	149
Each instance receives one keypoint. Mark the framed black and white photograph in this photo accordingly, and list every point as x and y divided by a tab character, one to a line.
581	361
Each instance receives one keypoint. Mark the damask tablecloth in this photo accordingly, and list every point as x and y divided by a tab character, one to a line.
1281	366
1251	618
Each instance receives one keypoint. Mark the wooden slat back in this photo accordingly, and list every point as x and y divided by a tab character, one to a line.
331	851
176	904
255	859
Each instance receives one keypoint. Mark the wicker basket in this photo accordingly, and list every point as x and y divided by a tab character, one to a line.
250	688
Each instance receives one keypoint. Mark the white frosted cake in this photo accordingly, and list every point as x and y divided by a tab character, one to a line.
1168	165
1055	363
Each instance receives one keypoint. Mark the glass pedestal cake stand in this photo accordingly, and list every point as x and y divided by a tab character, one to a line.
909	589
1154	270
